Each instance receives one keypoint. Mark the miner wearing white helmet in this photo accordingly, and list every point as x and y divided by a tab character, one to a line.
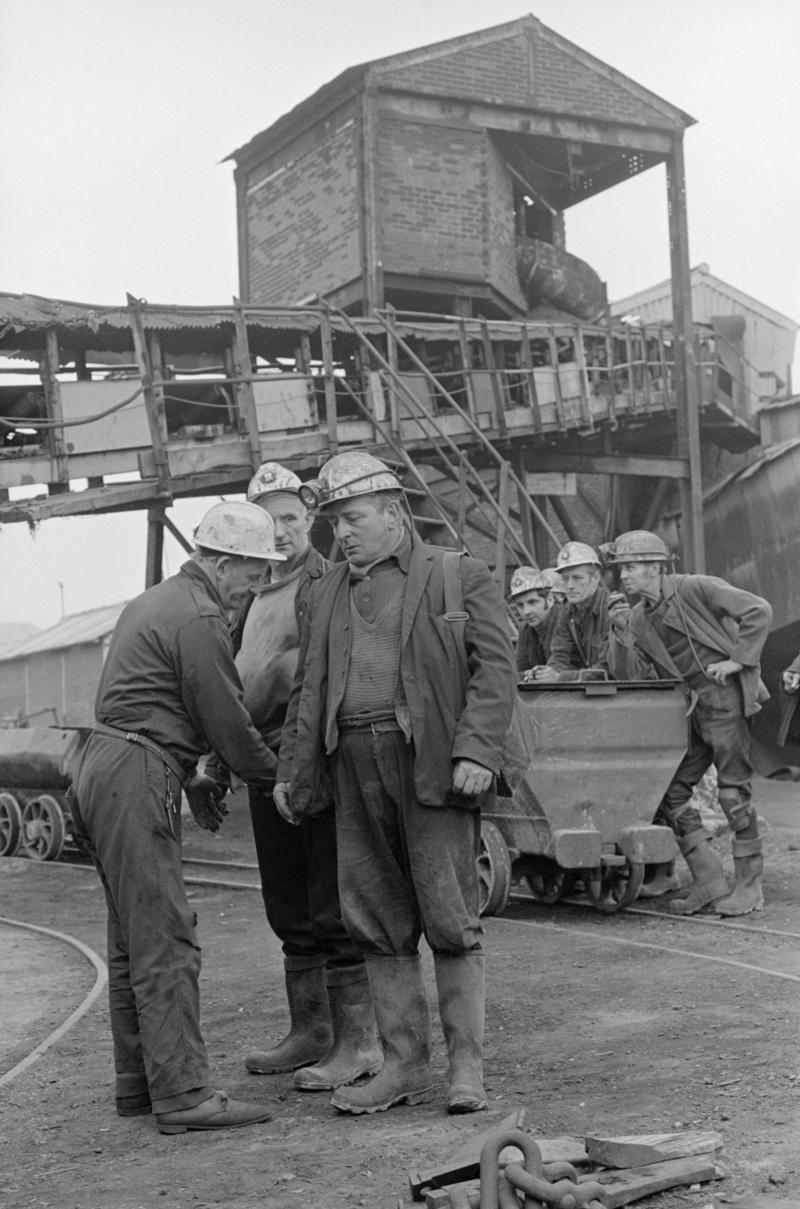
168	693
332	1037
531	595
702	630
404	703
579	644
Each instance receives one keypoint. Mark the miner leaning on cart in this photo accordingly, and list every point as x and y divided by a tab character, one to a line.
169	691
406	705
702	630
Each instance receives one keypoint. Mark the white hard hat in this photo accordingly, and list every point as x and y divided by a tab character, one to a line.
244	530
576	554
551	579
525	579
638	546
347	475
269	479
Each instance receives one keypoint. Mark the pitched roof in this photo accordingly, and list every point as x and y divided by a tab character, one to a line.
553	55
78	629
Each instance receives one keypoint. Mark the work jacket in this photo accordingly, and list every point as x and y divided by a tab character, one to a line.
169	674
580	640
535	643
712	612
459	690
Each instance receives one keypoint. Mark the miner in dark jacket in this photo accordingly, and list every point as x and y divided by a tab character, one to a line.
405	706
704	631
332	1037
531	596
579	647
168	693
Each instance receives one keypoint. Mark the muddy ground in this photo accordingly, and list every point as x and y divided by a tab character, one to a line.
595	1023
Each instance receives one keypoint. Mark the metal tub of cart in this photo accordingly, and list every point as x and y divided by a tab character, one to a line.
602	756
36	767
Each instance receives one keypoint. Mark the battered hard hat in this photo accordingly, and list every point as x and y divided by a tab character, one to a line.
638	546
244	530
345	476
551	579
576	554
271	478
524	579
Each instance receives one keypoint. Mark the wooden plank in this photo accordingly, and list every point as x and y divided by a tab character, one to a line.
551	339
499	415
638	1150
587	463
530	378
56	441
154	569
500	545
326	341
154	405
623	1187
243	388
580	357
466	365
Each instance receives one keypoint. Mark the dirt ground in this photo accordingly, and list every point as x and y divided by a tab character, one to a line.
622	1024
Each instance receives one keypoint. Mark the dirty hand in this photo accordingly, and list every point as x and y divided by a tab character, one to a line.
619	611
282	797
790	681
722	670
545	675
205	801
470	779
527	676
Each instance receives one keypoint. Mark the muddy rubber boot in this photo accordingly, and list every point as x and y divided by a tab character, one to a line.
404	1024
310	1036
356	1047
708	876
663	881
460	982
747	894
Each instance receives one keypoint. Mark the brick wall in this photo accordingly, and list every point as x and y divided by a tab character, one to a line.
303	220
565	85
432	190
496	70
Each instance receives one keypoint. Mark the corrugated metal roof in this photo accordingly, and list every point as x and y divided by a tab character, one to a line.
75	630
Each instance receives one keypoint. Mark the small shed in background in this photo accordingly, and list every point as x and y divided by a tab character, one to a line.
51	678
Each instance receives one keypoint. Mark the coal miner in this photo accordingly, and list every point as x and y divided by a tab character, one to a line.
532	596
580	640
169	692
702	630
332	1037
403	707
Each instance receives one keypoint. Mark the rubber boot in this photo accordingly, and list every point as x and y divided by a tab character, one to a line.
404	1024
746	895
356	1047
664	880
310	1035
460	981
707	874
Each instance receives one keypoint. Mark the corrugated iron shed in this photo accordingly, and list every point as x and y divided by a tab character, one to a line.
79	629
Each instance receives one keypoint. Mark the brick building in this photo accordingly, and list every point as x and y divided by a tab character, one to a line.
417	179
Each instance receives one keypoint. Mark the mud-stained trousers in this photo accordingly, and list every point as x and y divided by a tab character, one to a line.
719	735
124	812
404	869
299	884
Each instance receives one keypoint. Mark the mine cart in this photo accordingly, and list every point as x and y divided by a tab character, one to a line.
602	755
36	765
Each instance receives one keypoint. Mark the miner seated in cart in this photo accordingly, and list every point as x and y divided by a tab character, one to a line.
579	647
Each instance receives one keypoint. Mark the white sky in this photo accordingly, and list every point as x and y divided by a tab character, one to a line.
115	115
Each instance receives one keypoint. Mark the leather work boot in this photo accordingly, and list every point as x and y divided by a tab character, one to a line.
356	1046
310	1035
708	876
460	981
401	1010
746	895
663	881
218	1112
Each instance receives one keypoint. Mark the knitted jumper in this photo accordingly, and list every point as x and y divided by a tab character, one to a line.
375	644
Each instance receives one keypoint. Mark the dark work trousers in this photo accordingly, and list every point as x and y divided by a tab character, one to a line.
122	813
298	882
404	868
720	735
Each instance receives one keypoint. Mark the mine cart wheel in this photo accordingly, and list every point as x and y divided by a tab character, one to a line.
612	887
548	882
43	829
10	824
494	870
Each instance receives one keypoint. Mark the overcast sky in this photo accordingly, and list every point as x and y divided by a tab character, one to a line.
115	115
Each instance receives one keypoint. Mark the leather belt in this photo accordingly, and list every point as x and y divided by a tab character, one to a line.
367	726
133	736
